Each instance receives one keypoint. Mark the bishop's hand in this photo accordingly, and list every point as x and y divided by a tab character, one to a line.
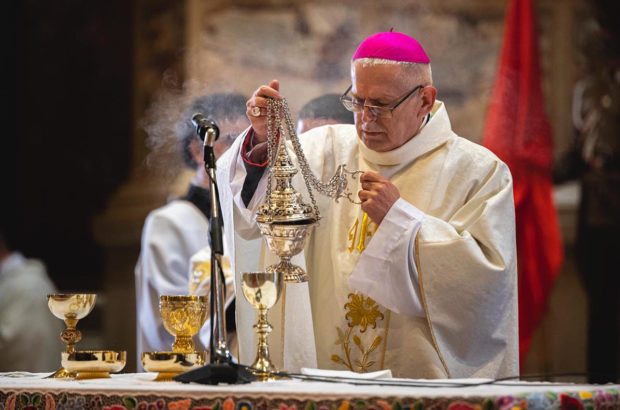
377	195
257	108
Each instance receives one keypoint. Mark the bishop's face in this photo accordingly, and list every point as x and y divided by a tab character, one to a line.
385	85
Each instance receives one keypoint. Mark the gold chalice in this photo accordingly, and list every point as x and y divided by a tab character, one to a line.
70	308
262	290
183	316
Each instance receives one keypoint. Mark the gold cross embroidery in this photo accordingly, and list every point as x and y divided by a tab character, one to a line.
366	231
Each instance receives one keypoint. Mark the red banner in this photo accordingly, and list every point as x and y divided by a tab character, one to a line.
518	131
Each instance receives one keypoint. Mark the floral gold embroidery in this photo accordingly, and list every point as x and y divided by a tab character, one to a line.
363	363
360	315
361	312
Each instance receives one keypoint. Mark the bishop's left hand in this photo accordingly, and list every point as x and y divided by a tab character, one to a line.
377	195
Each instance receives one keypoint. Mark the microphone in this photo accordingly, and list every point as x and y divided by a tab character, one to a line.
206	129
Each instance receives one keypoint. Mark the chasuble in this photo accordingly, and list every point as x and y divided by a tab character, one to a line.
428	293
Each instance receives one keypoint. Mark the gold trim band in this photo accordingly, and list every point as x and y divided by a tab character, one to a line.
428	315
385	337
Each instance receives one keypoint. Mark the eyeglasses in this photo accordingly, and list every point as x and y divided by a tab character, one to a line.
382	111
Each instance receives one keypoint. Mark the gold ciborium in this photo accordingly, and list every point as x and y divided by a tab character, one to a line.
70	308
94	364
262	290
183	316
169	364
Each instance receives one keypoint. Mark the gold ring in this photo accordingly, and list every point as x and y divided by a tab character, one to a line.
255	111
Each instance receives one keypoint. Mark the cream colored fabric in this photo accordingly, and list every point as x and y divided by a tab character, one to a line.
429	293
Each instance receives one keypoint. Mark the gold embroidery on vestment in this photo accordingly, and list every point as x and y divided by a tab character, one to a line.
367	229
353	235
202	270
361	312
359	315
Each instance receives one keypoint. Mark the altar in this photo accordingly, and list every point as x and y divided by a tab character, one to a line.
139	391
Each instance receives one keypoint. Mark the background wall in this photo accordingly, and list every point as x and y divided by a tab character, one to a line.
97	83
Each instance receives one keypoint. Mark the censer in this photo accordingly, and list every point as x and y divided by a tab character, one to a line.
284	219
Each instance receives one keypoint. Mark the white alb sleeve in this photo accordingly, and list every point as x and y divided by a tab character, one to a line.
386	270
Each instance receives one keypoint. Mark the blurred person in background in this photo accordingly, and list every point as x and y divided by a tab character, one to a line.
175	232
595	161
323	110
29	333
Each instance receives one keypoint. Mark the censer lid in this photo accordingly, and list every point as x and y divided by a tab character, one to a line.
295	213
284	204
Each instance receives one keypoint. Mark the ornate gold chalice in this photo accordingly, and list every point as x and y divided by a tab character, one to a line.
183	317
262	290
285	221
70	308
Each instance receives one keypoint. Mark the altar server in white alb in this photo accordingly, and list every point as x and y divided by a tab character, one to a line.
421	277
175	232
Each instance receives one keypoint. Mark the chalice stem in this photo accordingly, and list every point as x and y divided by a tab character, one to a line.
183	344
263	328
71	335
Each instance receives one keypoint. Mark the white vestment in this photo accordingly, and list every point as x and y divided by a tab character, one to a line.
429	293
171	235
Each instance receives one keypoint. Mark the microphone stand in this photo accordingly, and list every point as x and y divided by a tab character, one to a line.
219	352
220	369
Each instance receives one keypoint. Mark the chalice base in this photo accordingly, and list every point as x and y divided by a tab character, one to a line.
291	273
62	373
263	369
165	376
183	344
92	375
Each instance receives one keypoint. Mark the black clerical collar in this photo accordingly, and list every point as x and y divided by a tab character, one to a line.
200	198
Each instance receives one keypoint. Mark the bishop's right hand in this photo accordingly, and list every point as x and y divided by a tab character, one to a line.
257	108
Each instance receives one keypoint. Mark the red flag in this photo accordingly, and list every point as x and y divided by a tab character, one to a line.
518	131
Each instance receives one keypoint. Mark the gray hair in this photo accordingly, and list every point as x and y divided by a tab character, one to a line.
420	72
220	107
327	106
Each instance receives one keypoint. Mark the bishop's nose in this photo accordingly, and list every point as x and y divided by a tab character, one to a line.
367	115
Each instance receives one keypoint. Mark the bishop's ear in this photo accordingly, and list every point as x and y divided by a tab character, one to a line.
429	94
